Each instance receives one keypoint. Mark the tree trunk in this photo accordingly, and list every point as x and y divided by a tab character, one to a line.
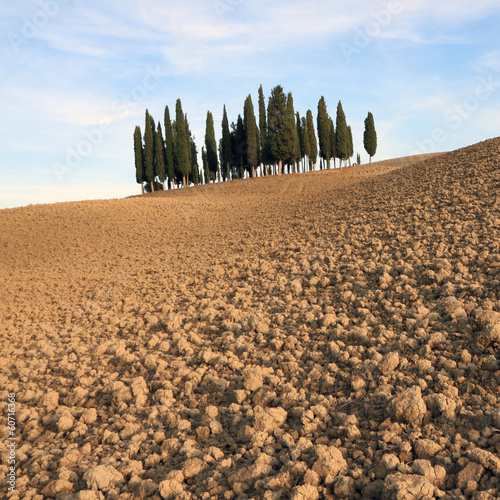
370	160
142	188
152	187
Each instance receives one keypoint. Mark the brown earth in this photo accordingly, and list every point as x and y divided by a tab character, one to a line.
325	335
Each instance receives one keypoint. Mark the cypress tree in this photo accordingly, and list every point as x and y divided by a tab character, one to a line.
351	144
240	147
189	139
295	146
221	159
155	166
358	159
306	146
263	130
169	149
140	175
211	145
226	151
332	141
313	145
370	136
300	134
160	156
232	132
251	136
194	163
280	128
270	122
206	170
149	150
342	135
242	168
182	149
324	131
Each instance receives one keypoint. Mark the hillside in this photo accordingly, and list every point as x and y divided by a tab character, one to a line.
324	335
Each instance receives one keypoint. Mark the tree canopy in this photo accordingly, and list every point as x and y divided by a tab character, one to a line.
279	141
370	136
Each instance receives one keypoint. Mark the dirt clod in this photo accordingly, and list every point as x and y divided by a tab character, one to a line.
312	336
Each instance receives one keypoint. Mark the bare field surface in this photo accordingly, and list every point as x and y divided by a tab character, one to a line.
325	335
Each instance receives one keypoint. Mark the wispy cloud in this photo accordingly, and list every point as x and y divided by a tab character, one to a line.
83	66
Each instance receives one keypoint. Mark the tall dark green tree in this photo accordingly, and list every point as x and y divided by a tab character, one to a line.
251	136
280	128
305	144
313	144
370	136
149	149
300	134
342	135
160	155
350	151
169	149
190	139
206	170
182	147
239	147
331	129
194	162
324	131
226	166
225	145
295	146
140	174
264	145
271	161
211	144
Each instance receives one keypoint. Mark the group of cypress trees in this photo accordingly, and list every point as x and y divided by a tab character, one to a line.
280	140
165	158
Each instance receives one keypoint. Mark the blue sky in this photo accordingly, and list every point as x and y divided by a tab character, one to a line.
76	77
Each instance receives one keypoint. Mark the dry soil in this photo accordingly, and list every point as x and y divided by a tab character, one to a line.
324	335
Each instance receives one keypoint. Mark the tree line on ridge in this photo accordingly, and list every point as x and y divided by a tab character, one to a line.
281	141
